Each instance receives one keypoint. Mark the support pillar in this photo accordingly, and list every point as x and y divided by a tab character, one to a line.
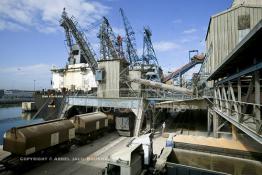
209	121
239	98
234	132
257	93
257	100
139	113
149	117
180	79
215	124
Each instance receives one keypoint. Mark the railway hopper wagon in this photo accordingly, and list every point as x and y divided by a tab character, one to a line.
88	126
42	140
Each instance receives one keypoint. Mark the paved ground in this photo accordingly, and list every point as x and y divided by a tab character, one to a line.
89	159
3	153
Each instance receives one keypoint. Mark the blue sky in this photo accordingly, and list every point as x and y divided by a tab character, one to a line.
31	40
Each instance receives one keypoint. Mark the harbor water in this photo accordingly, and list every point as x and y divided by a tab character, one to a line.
12	116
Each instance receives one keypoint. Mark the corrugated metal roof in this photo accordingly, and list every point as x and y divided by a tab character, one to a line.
246	2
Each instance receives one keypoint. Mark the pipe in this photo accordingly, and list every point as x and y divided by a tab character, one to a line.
161	85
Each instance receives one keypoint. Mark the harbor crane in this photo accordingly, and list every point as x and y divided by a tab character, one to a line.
71	28
130	41
110	45
150	63
149	55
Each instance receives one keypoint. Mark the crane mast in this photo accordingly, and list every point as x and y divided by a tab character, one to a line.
149	55
71	27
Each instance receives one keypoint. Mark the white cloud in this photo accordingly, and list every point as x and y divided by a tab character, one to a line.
10	26
189	38
44	15
190	31
177	21
163	46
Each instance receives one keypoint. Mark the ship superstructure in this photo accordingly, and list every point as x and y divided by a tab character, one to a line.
77	74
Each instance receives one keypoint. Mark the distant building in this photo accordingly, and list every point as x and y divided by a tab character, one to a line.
8	92
77	75
228	28
2	92
16	94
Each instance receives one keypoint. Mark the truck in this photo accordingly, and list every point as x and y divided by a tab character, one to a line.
128	161
134	159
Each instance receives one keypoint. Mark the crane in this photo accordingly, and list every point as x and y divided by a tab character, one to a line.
149	55
71	28
110	46
69	42
130	41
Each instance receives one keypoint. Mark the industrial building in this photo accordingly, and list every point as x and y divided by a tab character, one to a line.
226	29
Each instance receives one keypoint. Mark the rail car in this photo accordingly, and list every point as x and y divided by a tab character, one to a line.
47	139
37	140
90	125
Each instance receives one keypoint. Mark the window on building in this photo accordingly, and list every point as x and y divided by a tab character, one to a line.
243	26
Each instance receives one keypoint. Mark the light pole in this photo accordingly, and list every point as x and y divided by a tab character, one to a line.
34	85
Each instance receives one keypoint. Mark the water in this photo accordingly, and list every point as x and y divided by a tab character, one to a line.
12	116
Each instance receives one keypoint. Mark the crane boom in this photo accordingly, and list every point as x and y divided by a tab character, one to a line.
68	38
69	24
130	41
69	43
108	41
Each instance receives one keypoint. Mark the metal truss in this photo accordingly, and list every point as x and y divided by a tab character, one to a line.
237	99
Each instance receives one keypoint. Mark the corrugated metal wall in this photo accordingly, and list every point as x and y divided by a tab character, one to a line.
223	34
109	88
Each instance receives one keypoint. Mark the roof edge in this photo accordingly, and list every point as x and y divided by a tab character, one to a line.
228	10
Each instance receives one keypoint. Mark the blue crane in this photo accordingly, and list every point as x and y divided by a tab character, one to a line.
149	55
130	41
110	45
